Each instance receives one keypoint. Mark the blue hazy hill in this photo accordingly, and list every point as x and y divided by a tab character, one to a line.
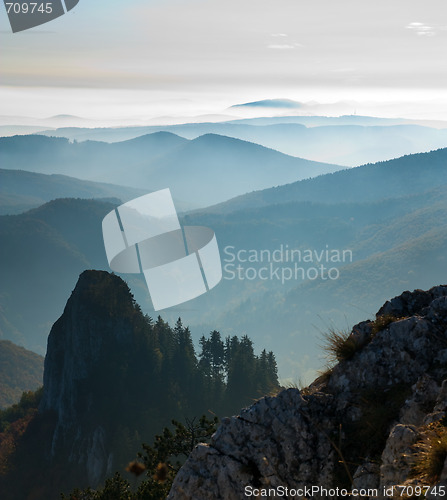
270	103
201	171
392	215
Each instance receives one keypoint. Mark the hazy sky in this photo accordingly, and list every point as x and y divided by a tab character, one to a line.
115	57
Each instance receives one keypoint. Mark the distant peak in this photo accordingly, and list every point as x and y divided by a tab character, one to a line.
211	136
162	135
270	103
217	139
65	116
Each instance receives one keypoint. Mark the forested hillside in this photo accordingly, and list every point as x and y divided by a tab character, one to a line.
20	370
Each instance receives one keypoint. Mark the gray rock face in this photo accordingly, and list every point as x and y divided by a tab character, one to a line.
353	428
90	329
279	441
396	457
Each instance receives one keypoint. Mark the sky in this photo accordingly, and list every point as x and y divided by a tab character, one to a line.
131	59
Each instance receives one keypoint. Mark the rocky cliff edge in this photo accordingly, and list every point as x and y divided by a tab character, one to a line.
375	421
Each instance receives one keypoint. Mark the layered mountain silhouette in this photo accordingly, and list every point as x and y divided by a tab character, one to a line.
343	140
21	190
201	171
408	175
42	253
391	215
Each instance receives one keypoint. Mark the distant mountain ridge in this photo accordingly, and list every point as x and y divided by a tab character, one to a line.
21	190
201	171
42	253
270	103
345	140
213	166
403	176
392	215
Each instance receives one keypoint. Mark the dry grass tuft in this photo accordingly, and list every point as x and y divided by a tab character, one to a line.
340	345
430	454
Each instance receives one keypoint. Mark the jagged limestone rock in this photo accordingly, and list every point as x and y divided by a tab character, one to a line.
369	411
396	457
424	395
279	441
366	476
96	322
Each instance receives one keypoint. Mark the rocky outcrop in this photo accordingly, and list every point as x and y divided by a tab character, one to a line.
96	328
356	426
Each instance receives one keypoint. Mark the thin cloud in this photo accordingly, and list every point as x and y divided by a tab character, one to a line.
421	29
284	46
